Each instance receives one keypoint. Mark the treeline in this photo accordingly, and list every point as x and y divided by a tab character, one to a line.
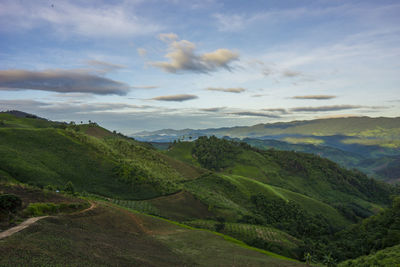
350	181
372	234
214	153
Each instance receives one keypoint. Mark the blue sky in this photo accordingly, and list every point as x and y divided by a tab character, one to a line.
146	65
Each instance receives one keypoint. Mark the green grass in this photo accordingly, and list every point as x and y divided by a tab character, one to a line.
142	206
229	196
41	209
268	237
62	159
42	153
109	236
183	152
388	257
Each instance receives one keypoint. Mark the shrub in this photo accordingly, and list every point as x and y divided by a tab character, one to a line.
9	203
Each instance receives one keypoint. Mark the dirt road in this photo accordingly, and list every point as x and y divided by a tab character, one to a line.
30	221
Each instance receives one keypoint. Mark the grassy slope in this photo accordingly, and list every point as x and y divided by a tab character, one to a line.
31	196
388	257
276	240
109	236
229	196
379	162
315	181
341	157
62	158
41	152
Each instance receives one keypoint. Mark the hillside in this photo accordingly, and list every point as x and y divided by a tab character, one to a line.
108	235
375	161
95	160
351	142
278	201
299	172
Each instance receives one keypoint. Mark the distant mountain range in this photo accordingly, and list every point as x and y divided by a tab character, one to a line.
371	145
361	127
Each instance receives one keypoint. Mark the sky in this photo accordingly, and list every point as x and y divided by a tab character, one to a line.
154	64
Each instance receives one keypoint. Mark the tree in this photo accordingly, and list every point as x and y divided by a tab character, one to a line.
69	187
329	261
220	225
308	258
9	203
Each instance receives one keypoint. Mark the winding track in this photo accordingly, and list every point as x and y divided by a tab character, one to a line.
31	221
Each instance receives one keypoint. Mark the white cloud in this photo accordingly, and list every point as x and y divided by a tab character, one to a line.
182	57
228	90
141	51
72	18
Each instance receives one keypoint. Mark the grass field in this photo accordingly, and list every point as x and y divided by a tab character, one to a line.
111	236
276	241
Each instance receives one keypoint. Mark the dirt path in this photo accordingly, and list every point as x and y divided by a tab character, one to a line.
92	206
31	221
20	227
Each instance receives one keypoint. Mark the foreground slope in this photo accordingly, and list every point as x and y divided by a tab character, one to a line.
111	236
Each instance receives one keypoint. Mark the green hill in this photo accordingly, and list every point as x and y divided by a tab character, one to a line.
95	160
302	173
378	162
387	257
280	201
108	235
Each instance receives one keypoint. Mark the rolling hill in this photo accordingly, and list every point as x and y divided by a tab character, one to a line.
352	142
278	201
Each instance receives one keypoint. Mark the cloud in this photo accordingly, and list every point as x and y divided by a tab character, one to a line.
182	57
103	67
279	110
141	51
230	23
325	108
291	74
177	98
212	109
73	106
144	87
258	95
315	97
61	81
228	90
267	71
254	114
168	37
76	18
